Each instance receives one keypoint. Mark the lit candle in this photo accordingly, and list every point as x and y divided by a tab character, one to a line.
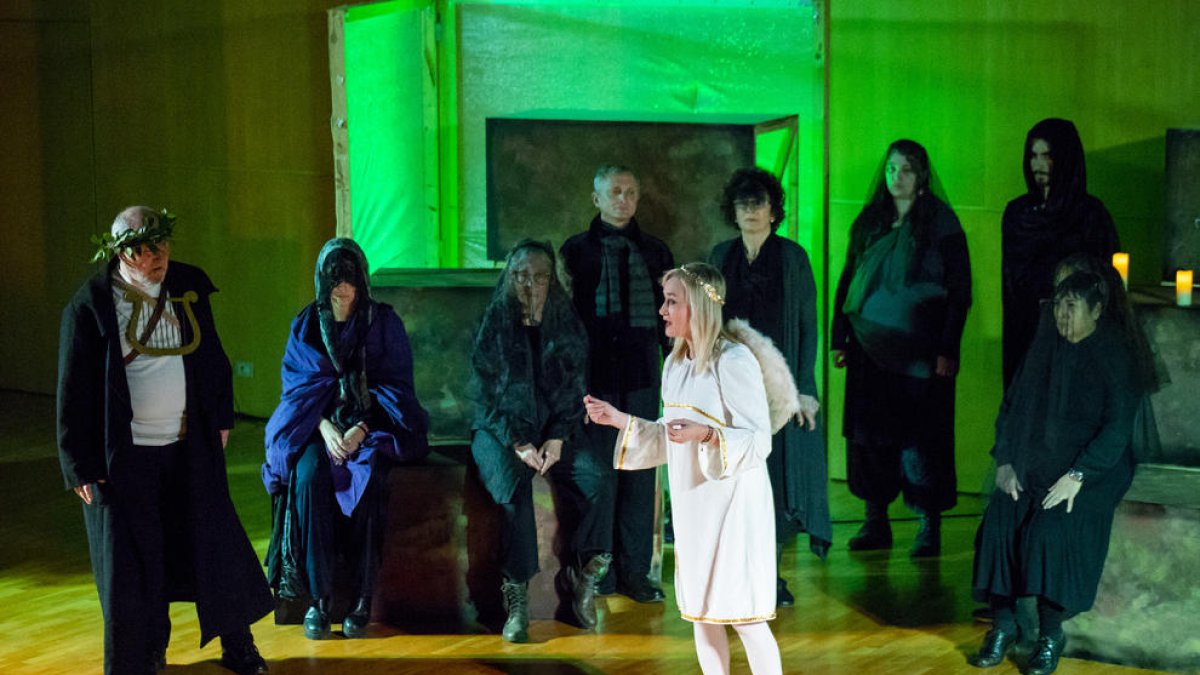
1121	262
1183	288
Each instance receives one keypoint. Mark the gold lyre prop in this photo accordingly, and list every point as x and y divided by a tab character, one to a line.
137	299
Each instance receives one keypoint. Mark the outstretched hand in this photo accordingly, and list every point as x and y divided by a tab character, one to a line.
604	413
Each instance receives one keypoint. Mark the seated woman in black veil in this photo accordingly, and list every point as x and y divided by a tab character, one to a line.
529	368
1064	459
899	313
347	412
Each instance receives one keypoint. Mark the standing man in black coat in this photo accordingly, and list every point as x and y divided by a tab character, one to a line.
1055	218
145	405
615	271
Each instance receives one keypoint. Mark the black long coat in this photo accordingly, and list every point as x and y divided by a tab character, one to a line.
622	359
798	463
94	415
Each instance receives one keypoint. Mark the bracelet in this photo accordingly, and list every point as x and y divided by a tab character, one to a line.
1075	474
363	426
708	436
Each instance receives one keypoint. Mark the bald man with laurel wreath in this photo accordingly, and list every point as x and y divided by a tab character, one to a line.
145	405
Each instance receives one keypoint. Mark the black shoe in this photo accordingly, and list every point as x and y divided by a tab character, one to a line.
241	656
640	589
158	659
316	621
997	643
1046	655
355	623
580	586
874	535
516	603
928	543
783	597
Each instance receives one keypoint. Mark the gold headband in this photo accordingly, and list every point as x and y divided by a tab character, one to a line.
709	289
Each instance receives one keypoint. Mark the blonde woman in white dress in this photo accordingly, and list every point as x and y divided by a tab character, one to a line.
714	437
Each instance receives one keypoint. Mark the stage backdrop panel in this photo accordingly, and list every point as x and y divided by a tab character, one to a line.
540	178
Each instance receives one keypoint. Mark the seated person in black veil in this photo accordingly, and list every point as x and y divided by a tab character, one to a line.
769	283
1064	459
347	412
530	365
899	313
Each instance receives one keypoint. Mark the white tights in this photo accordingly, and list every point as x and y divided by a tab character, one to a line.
712	648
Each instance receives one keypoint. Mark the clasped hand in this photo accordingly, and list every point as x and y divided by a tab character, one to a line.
341	446
540	459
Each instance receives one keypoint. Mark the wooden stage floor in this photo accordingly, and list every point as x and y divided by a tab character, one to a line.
871	614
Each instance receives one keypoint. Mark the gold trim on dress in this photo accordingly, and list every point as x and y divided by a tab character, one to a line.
705	619
687	406
724	452
624	443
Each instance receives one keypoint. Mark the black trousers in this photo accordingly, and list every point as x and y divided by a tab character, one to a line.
325	531
582	489
134	520
900	437
633	491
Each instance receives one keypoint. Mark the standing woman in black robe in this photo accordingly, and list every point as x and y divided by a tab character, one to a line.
1064	460
769	283
899	312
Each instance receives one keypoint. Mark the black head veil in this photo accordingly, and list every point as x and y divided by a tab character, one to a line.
342	260
1068	178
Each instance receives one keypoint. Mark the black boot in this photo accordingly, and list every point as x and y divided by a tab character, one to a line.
239	654
996	645
355	623
929	536
516	603
876	530
639	588
783	597
1046	654
316	620
580	586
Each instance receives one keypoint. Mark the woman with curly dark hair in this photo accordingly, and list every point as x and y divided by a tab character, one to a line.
899	312
770	285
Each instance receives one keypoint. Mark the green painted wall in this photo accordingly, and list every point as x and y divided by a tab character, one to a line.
967	78
218	110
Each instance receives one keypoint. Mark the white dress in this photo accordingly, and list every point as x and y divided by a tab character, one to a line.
721	505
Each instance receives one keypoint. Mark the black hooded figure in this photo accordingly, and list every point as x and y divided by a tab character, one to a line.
899	313
529	373
347	412
1055	218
